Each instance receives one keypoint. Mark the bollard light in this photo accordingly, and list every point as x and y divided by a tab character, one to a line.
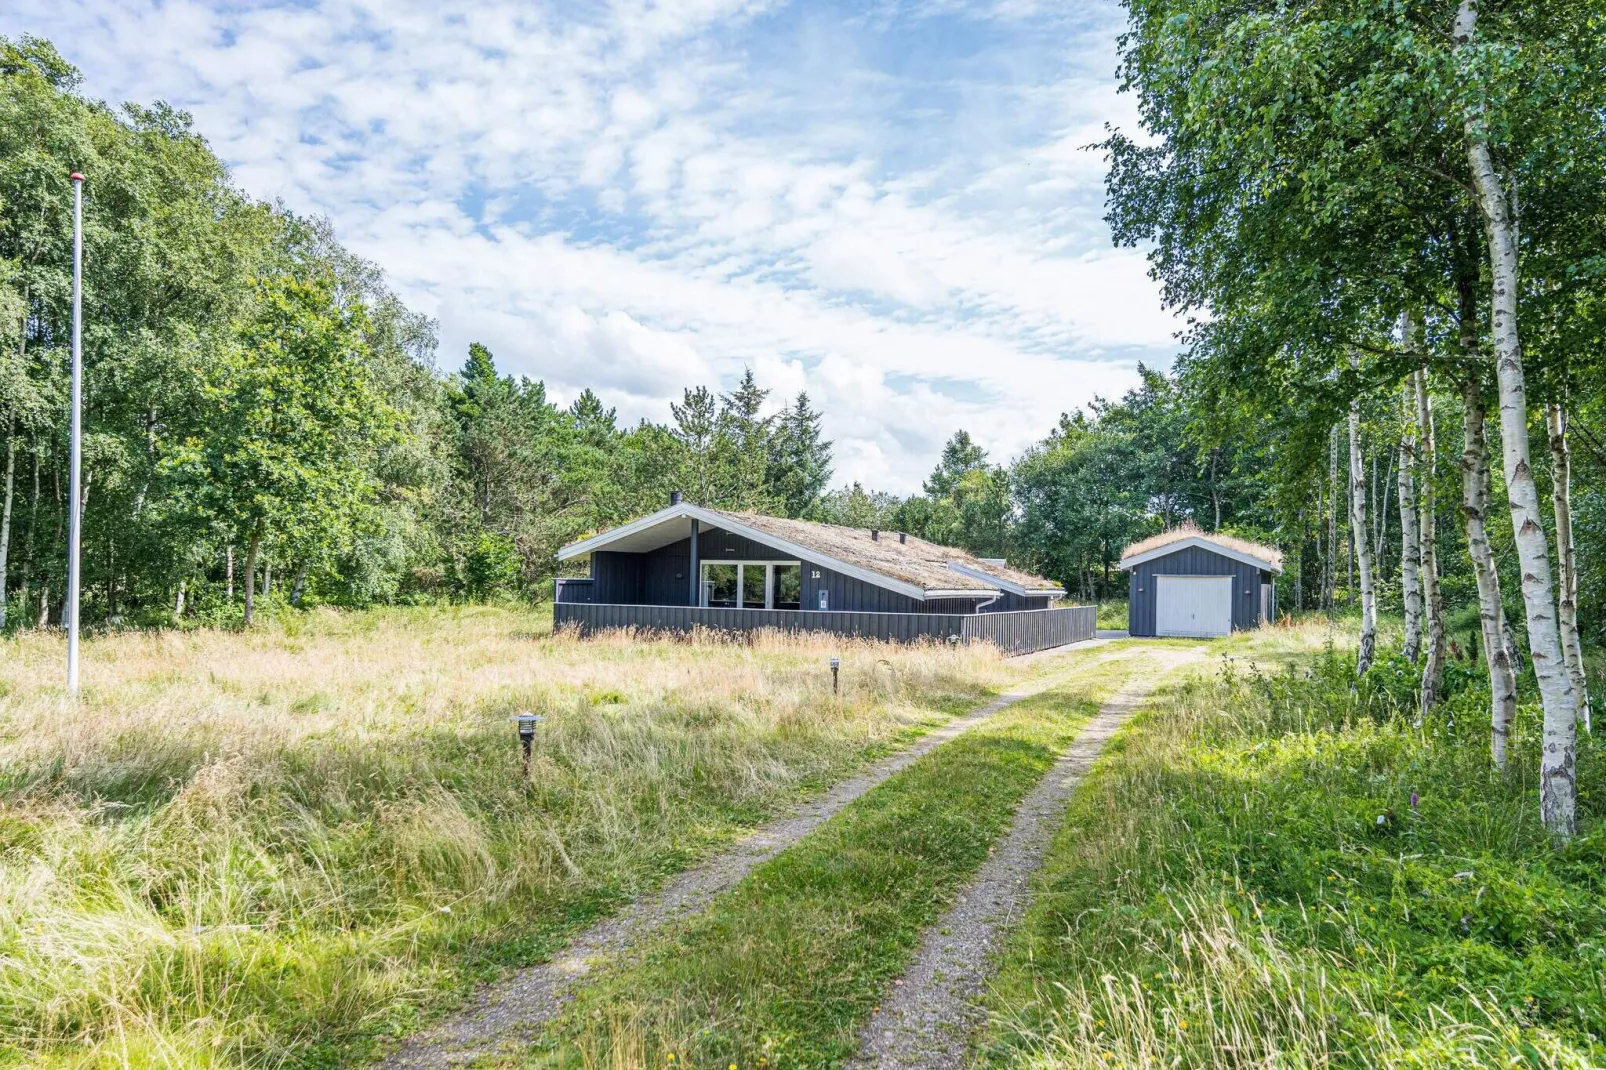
527	722
836	666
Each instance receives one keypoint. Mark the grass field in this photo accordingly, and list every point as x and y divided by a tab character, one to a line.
264	850
1278	869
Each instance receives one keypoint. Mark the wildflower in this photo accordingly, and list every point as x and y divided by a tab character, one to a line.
1182	1023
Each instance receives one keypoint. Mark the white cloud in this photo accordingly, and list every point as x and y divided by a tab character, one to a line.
642	195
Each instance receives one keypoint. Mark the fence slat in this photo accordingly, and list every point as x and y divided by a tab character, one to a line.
1020	632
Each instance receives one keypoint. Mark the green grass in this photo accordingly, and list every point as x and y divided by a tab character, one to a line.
1113	615
1245	882
268	849
785	968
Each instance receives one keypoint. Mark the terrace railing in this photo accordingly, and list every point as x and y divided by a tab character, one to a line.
1016	633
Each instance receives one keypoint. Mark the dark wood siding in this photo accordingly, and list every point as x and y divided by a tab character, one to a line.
1194	561
1015	633
659	578
573	589
1015	603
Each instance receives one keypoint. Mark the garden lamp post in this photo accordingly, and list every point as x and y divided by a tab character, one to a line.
527	723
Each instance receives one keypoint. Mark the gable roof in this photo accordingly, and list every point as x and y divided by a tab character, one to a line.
1188	534
912	567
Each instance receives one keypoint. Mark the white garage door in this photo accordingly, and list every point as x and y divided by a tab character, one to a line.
1194	606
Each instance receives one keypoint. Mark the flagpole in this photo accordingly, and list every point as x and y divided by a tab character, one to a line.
74	489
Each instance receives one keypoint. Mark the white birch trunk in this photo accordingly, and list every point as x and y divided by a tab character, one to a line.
228	567
1330	591
1410	548
251	573
1475	483
1566	557
1361	544
5	522
1558	775
1428	506
178	603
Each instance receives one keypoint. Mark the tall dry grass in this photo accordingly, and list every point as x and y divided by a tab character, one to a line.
266	849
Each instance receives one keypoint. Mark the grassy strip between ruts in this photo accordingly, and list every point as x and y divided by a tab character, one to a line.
1286	869
783	970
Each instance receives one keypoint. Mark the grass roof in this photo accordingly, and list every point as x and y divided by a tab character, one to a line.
924	564
1189	530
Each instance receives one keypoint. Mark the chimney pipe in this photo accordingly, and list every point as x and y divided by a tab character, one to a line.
875	535
674	497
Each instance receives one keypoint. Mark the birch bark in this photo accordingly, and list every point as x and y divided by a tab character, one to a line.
1359	539
1558	774
5	519
1475	509
1566	557
1432	598
1410	548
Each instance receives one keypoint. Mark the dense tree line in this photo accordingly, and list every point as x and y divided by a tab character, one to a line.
264	418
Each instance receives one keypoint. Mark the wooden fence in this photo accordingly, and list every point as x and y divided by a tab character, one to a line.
1015	633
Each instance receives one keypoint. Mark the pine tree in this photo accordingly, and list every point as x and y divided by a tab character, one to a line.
800	459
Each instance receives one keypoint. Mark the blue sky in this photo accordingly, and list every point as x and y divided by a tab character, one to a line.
887	204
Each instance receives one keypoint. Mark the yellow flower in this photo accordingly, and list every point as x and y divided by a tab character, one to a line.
1182	1023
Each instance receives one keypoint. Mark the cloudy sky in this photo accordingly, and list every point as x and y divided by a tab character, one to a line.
886	203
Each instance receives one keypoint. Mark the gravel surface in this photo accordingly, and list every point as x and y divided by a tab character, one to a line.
931	1013
518	1006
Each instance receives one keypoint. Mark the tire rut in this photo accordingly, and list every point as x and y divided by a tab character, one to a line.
515	1008
928	1018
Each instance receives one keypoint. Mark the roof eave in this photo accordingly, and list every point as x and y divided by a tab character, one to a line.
736	527
1126	564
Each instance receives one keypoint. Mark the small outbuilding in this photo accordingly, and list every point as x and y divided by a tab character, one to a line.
1187	582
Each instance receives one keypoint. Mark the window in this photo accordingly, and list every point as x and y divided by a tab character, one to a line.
752	584
720	585
788	587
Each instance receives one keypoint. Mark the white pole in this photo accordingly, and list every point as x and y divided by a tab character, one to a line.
74	489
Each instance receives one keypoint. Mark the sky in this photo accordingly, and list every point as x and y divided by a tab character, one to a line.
889	204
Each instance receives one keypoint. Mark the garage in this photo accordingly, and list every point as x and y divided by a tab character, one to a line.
1200	585
1198	607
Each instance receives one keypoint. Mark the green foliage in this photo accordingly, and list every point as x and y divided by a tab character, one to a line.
1271	842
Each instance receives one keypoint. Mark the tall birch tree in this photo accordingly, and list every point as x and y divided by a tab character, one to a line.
1358	532
1558	791
1561	478
1432	596
1491	615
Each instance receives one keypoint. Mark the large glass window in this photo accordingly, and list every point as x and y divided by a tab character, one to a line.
720	585
788	587
752	584
755	582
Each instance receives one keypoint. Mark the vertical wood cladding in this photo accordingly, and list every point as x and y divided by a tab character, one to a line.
1194	561
1015	633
